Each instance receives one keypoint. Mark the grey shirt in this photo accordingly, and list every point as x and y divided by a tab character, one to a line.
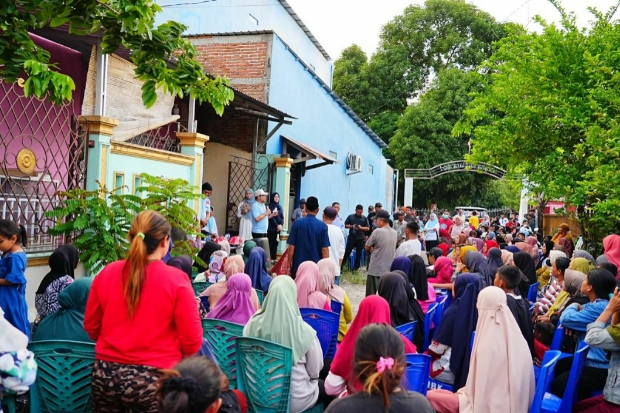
383	241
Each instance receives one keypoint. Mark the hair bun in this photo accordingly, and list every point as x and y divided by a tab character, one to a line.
184	384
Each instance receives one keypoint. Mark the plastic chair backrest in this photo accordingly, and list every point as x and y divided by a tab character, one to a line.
428	321
63	376
407	330
326	324
531	292
544	378
417	372
336	307
441	307
221	336
570	394
557	338
264	374
261	296
200	287
471	343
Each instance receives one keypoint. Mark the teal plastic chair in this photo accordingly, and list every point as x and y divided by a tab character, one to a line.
417	372
63	376
221	337
407	330
261	296
544	378
200	287
265	375
8	403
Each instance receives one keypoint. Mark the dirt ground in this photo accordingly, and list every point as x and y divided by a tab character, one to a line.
356	293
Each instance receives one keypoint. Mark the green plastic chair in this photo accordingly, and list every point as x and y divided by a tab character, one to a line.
261	296
221	337
8	403
265	375
63	376
200	287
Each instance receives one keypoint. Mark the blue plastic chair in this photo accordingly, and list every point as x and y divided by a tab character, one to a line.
407	330
557	338
439	385
441	307
544	378
265	375
428	321
553	404
532	291
63	376
471	343
352	259
326	324
417	372
336	307
221	336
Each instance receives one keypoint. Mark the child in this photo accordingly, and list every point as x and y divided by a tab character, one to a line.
12	275
543	336
508	279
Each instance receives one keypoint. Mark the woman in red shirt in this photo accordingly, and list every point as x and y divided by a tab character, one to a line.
143	316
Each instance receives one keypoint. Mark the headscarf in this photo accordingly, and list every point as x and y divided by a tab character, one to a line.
457	229
490	244
183	263
572	289
273	205
507	257
611	244
216	266
256	268
494	261
62	262
491	236
68	322
248	246
234	265
235	305
246	201
582	264
498	337
554	255
404	307
614	332
327	280
460	239
279	319
548	247
567	243
477	264
522	246
465	250
533	243
584	254
478	243
457	324
417	277
307	281
432	221
205	255
513	249
525	263
443	270
401	264
225	245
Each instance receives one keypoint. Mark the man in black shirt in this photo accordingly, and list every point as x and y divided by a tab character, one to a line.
357	225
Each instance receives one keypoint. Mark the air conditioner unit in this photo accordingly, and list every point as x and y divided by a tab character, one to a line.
354	164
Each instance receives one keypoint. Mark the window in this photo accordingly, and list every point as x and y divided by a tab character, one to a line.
137	182
119	183
370	169
333	154
253	19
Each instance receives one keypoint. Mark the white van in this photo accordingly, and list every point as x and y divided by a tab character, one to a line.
482	212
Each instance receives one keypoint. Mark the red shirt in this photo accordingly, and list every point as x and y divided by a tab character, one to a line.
165	326
444	227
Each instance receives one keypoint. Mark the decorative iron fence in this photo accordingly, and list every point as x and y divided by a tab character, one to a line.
43	150
159	138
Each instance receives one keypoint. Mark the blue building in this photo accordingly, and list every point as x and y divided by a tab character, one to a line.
291	111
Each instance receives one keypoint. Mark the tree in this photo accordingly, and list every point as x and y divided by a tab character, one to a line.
123	23
550	110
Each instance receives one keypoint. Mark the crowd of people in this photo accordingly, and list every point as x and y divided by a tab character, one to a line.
145	318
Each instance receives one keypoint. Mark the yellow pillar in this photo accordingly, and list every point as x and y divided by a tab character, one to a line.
193	144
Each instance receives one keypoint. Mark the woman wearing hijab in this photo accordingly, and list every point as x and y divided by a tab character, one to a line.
586	255
513	248
533	243
525	247
404	308
236	304
457	228
256	268
570	294
568	246
62	264
488	244
279	321
547	247
450	348
581	264
494	261
327	285
373	310
443	273
478	243
68	322
275	224
401	264
307	281
223	242
248	246
205	255
477	264
525	263
611	245
424	291
233	265
507	257
244	213
498	342
184	263
431	232
460	266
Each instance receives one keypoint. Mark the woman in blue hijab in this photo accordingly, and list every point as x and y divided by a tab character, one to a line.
275	224
256	268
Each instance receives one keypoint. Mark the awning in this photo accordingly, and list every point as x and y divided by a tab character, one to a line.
301	152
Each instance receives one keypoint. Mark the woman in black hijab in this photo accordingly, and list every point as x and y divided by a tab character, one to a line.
418	278
546	249
404	308
62	264
525	263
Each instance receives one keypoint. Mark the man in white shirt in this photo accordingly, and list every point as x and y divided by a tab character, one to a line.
336	239
338	221
503	220
412	246
205	208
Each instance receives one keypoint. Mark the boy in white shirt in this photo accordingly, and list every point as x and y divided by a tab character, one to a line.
336	239
412	245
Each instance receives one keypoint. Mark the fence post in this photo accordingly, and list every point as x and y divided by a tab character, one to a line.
101	130
193	144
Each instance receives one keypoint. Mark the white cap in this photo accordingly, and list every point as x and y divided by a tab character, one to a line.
259	192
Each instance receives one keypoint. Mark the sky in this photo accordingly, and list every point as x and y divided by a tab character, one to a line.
337	24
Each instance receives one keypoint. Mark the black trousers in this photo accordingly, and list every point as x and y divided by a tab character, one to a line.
592	379
272	236
430	245
358	244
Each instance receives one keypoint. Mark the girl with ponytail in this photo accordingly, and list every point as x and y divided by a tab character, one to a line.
143	316
379	364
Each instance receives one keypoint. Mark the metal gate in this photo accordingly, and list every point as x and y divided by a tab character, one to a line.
243	174
43	150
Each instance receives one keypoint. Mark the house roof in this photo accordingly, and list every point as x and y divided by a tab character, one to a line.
303	27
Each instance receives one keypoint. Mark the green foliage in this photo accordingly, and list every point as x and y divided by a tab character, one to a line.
99	221
550	109
125	23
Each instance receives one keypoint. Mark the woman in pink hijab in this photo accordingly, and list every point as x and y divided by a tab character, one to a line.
307	281
501	374
533	242
235	305
527	248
